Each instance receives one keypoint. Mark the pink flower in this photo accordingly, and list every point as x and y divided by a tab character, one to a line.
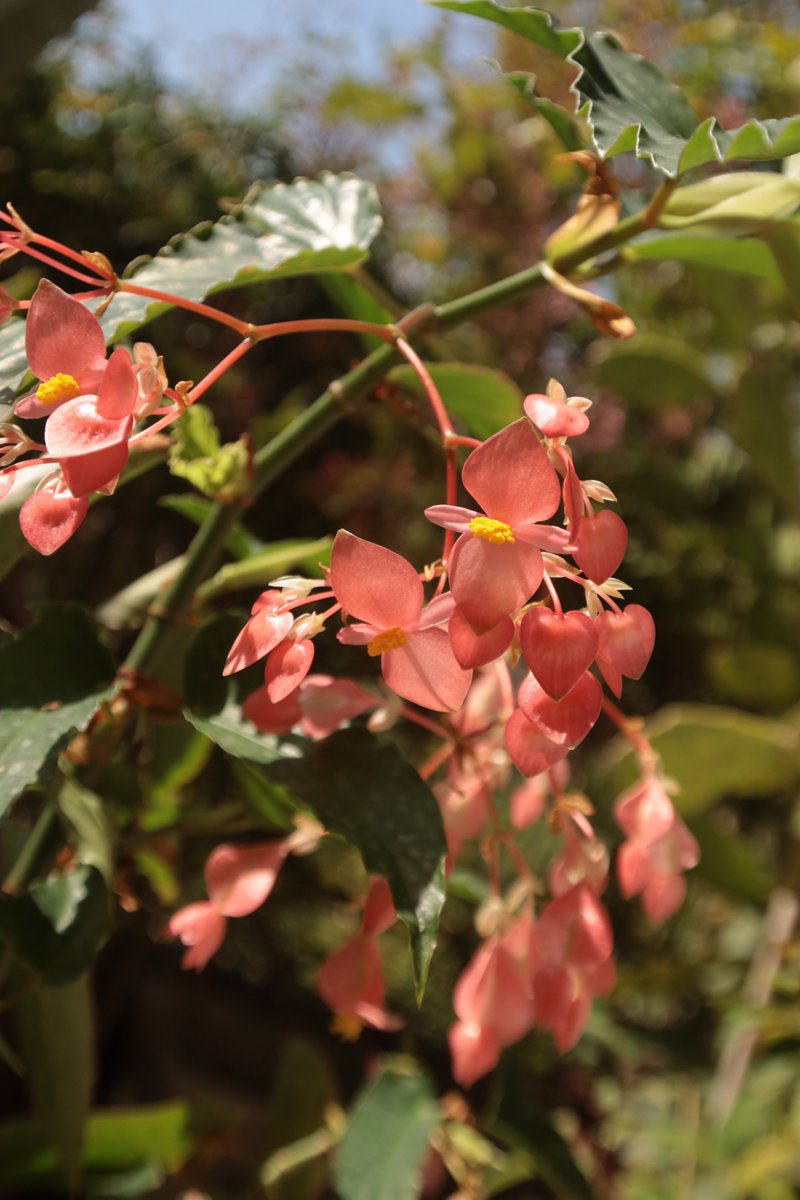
496	564
201	928
66	349
658	849
268	626
320	705
383	592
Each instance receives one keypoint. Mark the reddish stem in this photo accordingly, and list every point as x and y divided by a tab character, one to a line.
202	310
26	248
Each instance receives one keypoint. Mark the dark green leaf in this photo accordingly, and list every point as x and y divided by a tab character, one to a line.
239	542
55	1029
381	1154
60	924
564	125
304	1089
727	863
34	23
51	682
364	790
630	106
92	834
484	399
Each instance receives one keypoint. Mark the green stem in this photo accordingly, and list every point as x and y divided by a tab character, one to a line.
31	852
327	411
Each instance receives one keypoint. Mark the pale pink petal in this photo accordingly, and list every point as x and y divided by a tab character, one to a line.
451	516
49	519
201	928
357	634
555	418
262	633
118	391
563	1004
239	878
475	649
62	337
30	408
610	674
374	584
327	703
492	581
474	1052
547	537
529	750
510	477
268	717
287	666
437	612
425	671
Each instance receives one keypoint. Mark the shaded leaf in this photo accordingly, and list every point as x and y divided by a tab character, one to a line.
51	682
364	790
55	1029
728	864
92	833
239	542
221	472
770	441
272	561
562	122
652	371
741	256
381	1154
629	104
486	400
304	1089
60	924
713	753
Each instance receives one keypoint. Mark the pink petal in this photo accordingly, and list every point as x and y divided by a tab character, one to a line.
268	717
201	929
287	666
118	391
451	516
475	649
91	449
327	703
357	634
239	878
474	1051
351	976
379	914
374	584
568	720
437	612
49	519
261	634
633	868
85	473
62	337
558	649
489	581
511	478
627	639
574	929
425	671
529	750
663	895
527	803
610	674
600	543
554	418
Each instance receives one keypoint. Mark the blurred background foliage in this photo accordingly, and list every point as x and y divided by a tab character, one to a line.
686	1084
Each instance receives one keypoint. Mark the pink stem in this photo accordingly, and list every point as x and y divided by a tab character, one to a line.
202	310
432	726
553	595
26	248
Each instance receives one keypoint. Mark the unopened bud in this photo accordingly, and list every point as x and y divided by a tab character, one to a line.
596	490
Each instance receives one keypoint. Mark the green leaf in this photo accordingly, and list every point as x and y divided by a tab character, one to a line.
92	834
214	701
727	863
742	256
381	1154
562	122
771	443
714	753
239	542
484	399
116	1140
55	1029
629	105
364	790
306	227
60	924
353	300
51	683
652	371
302	1094
220	472
738	203
271	562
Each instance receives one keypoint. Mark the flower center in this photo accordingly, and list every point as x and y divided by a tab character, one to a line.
347	1026
390	639
56	388
496	532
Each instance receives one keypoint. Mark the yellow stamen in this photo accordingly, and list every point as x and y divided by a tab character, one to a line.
347	1026
390	639
496	532
56	388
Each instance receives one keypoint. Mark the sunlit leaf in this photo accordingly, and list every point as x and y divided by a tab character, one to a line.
741	256
485	400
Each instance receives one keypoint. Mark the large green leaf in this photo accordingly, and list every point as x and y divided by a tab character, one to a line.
60	924
713	753
741	256
51	682
116	1140
363	789
484	399
381	1154
55	1031
629	104
307	227
651	371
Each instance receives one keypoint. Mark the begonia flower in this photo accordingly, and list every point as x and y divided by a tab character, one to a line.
383	592
66	349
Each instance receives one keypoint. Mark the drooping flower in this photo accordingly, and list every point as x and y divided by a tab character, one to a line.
383	592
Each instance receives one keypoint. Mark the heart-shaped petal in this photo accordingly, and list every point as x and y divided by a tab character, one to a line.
600	544
566	721
287	666
626	639
473	648
49	519
529	750
558	648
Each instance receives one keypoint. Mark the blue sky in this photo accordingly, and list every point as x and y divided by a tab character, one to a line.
237	48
